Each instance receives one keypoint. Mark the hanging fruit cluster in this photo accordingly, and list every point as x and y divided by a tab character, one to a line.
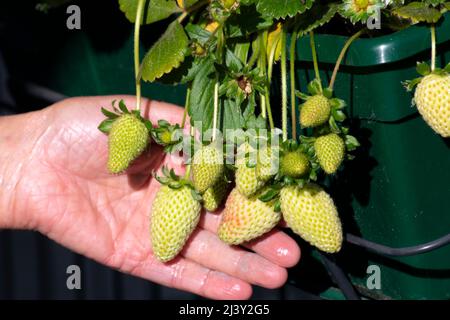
225	51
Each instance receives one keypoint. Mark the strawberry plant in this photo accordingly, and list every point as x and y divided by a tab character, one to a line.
228	53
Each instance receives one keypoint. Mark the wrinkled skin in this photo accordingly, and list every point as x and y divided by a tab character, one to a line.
53	179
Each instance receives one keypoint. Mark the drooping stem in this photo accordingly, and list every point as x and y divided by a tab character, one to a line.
341	56
262	62
314	56
186	107
283	85
216	109
137	28
190	9
292	76
433	47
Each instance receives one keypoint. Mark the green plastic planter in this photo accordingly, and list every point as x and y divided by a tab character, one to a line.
397	191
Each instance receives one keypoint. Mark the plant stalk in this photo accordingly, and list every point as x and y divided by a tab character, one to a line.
341	56
137	28
216	109
292	78
283	85
314	56
433	47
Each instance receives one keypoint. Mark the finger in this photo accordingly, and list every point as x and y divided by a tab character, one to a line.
186	275
208	250
276	246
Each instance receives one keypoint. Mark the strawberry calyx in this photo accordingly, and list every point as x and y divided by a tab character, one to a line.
424	69
111	117
168	135
173	181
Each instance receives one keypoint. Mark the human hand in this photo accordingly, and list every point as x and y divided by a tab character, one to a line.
56	182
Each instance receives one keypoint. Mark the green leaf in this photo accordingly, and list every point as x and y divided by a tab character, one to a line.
202	95
351	142
232	116
167	53
314	87
447	68
269	195
317	16
283	8
328	93
105	125
423	68
196	32
410	84
418	12
123	107
157	10
109	114
248	21
447	5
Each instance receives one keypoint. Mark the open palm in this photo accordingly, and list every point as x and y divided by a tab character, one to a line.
77	203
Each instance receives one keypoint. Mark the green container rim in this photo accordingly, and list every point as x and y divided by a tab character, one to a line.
367	52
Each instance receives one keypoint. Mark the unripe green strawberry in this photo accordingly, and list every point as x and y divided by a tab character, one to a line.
175	214
310	212
207	167
127	139
247	181
245	219
267	163
432	98
246	176
315	111
330	151
294	164
213	196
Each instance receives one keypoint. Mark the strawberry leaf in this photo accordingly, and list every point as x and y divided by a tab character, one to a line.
123	107
155	11
314	87
109	114
423	68
167	53
202	93
317	16
283	8
105	125
418	12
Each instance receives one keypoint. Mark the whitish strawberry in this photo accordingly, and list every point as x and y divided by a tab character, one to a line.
267	163
213	196
330	151
245	219
175	214
294	164
127	139
432	98
315	111
311	213
207	167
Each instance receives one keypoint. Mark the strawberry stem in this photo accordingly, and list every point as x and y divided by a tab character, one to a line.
262	67
283	85
433	47
216	109
341	56
314	56
190	9
137	27
292	76
186	107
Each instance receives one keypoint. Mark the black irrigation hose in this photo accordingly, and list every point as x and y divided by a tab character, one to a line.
340	278
398	252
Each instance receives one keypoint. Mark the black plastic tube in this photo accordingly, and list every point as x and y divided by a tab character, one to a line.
398	252
340	278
